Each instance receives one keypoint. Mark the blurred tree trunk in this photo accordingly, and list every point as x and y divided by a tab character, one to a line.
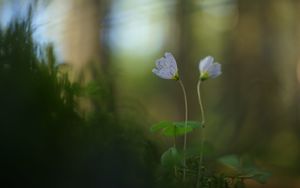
184	44
81	44
186	55
261	60
84	46
296	110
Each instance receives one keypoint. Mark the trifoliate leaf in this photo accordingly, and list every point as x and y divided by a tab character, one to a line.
171	158
171	129
231	161
257	174
160	126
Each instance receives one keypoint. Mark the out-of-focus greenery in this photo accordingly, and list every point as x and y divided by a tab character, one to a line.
252	109
46	142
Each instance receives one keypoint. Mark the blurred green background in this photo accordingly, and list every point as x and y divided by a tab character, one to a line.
109	48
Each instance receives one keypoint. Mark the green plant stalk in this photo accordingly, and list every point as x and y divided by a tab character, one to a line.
175	168
202	133
185	135
175	136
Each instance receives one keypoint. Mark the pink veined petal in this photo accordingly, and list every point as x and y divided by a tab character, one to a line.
171	60
160	63
166	67
163	73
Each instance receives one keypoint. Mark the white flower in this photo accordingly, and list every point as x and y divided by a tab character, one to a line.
209	69
166	67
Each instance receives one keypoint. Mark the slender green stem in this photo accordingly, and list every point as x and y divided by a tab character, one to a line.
202	133
200	103
175	132
175	168
174	144
185	128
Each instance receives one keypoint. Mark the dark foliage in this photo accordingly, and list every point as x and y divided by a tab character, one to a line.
45	142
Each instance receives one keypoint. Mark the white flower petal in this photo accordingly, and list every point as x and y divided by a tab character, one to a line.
214	70
171	60
163	73
209	69
160	63
205	63
166	67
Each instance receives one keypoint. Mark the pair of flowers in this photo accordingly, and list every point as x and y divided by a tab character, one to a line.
166	68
